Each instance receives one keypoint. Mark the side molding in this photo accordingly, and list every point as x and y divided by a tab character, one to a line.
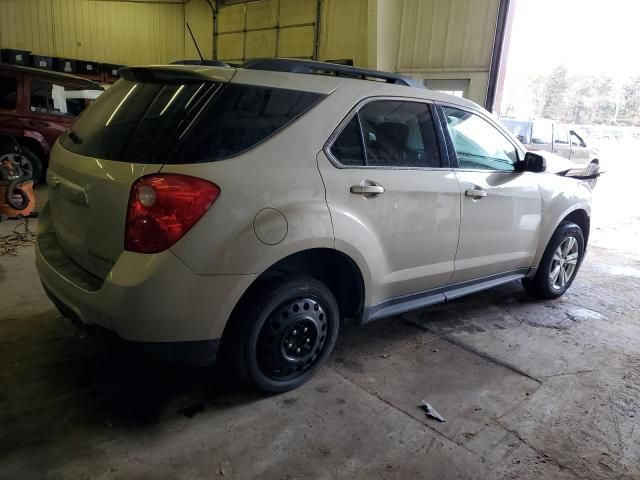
398	305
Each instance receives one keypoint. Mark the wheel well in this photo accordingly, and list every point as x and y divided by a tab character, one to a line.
29	143
35	147
580	218
335	269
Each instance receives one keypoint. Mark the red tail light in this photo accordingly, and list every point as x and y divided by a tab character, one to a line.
163	207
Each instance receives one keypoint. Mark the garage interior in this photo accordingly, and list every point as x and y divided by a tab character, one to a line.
528	388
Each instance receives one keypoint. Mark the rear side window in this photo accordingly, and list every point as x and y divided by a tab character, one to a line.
389	133
560	136
145	122
8	92
52	98
348	146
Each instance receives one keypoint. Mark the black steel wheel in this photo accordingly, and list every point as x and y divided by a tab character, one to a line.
283	332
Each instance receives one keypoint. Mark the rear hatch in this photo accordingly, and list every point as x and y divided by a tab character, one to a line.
128	132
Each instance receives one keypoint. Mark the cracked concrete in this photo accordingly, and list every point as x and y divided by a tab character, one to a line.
529	390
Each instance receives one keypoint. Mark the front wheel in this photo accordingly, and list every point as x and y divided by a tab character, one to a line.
283	332
559	264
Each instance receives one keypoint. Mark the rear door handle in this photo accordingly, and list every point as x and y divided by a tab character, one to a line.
476	193
367	189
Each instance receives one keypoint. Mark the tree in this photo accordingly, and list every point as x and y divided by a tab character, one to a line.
579	103
604	101
630	111
555	93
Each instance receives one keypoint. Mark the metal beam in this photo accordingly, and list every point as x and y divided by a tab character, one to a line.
496	56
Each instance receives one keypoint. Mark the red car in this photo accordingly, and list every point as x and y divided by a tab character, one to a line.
36	106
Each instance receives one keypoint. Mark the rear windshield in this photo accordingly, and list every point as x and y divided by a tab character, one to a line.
192	122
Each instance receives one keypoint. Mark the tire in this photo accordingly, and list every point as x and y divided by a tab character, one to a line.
282	332
29	162
555	274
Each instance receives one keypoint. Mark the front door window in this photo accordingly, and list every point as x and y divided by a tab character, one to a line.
478	144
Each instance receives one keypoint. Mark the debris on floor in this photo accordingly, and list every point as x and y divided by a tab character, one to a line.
21	236
431	412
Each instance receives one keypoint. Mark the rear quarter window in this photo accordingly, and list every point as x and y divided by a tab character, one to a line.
8	92
173	123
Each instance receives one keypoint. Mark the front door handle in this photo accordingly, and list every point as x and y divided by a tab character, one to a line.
367	189
476	193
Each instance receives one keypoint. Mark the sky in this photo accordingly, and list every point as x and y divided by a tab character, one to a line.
595	37
589	36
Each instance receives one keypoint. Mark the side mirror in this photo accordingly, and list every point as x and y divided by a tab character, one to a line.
532	163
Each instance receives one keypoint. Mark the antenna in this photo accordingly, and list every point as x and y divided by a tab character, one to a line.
195	43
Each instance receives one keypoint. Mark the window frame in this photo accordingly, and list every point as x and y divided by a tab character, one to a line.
440	138
453	156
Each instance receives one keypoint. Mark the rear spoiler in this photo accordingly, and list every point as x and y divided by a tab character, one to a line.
177	74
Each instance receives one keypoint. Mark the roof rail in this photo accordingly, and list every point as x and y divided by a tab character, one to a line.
293	65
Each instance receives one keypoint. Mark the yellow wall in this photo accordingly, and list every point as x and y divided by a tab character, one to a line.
430	39
118	32
132	33
293	38
200	18
344	31
447	33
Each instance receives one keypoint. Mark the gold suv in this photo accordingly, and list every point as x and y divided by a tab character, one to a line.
249	210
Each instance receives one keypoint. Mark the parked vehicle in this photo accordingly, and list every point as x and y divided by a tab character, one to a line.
195	208
551	136
35	108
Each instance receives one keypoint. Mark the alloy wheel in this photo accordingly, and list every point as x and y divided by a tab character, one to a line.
564	263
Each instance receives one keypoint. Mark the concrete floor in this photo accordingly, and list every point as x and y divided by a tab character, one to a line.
529	390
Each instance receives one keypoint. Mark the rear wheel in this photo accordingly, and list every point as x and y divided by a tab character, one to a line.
559	264
283	332
28	161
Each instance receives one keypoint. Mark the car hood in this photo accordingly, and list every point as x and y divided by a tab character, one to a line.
563	167
556	163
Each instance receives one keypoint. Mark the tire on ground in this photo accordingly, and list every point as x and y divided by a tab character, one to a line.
257	339
541	285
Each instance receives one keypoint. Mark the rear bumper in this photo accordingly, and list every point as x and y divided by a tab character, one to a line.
196	353
148	299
